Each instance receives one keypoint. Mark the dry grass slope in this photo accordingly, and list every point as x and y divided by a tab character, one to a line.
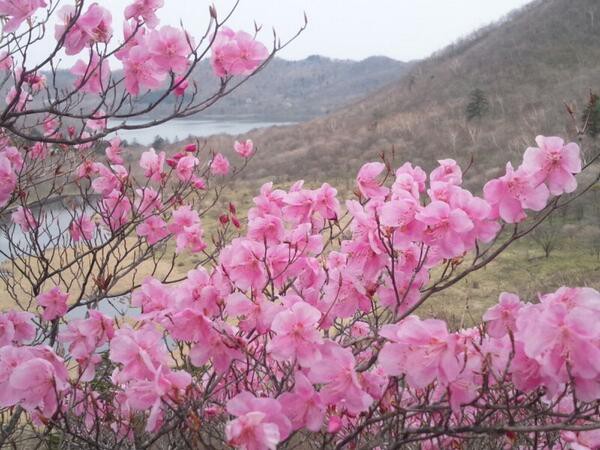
527	65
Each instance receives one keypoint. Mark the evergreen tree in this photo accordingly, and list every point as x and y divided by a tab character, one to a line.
478	105
591	116
158	142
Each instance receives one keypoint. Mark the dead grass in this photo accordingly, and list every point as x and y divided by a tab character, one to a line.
522	269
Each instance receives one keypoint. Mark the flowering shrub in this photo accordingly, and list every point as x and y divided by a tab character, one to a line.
301	330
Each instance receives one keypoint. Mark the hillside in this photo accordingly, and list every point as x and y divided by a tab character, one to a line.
286	91
301	90
528	65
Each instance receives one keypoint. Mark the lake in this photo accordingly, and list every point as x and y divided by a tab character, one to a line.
179	129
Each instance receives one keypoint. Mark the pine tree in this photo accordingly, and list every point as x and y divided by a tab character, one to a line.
591	116
478	105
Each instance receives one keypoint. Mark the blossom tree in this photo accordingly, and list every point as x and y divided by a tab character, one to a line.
296	328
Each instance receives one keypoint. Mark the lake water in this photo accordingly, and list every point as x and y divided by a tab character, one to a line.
179	129
52	231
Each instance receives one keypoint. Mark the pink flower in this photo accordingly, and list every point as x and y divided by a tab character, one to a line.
190	325
219	165
299	205
14	157
553	163
37	82
153	229
97	122
83	227
326	202
367	181
6	61
303	405
92	75
116	210
501	318
337	370
51	125
296	335
267	229
8	180
562	334
24	218
152	164
582	440
401	215
84	336
133	36
185	225
334	424
448	172
445	227
511	194
32	377
256	315
16	327
109	180
17	99
113	151
185	167
92	26
54	303
151	296
140	352
422	350
144	10
260	423
86	169
218	346
143	395
198	291
181	84
141	72
241	260
244	149
18	11
39	150
236	53
169	49
147	201
182	218
191	239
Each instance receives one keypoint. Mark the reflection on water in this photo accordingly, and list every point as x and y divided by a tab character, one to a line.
115	308
53	231
179	129
53	228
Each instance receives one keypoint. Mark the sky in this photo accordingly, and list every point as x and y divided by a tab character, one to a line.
354	29
343	29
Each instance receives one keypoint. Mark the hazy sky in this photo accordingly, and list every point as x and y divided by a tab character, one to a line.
347	29
354	29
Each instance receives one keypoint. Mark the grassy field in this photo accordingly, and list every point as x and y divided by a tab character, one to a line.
522	269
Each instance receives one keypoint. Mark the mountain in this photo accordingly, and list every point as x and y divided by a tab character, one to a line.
300	90
526	67
285	90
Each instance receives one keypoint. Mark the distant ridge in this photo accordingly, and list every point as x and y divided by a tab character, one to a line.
303	89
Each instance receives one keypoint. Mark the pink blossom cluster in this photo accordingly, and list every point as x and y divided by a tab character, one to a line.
152	56
10	163
548	169
236	53
305	321
18	11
